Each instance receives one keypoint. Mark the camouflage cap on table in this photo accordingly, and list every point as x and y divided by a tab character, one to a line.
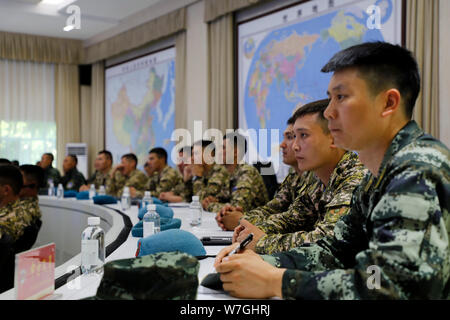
160	276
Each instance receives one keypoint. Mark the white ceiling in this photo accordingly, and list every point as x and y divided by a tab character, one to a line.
97	16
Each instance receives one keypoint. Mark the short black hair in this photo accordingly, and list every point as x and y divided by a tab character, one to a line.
130	156
74	157
4	161
107	154
160	152
33	173
382	65
50	155
185	149
238	140
290	121
316	107
11	175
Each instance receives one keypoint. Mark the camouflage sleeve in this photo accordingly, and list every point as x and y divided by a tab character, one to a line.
217	186
138	181
280	203
113	183
168	182
408	251
278	242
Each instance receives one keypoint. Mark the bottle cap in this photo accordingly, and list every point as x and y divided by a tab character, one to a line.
195	198
151	207
147	194
93	221
92	186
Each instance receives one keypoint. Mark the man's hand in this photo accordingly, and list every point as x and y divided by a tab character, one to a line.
247	275
187	173
132	192
207	201
170	197
228	217
119	167
243	230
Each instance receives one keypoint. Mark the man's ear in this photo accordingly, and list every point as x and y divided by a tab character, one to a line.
332	145
392	99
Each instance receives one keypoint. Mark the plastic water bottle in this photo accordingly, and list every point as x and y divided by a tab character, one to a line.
51	188
126	199
102	191
151	221
60	191
147	199
196	211
93	247
92	191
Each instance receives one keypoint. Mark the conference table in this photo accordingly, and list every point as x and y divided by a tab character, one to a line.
76	286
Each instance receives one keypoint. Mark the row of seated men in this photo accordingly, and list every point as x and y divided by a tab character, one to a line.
20	216
233	183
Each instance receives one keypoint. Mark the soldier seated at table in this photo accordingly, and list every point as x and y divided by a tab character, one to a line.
126	174
163	178
203	177
13	217
51	174
103	167
72	179
228	217
248	190
177	194
324	197
33	178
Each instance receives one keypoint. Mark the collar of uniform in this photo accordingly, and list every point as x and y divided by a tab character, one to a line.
10	206
347	162
408	133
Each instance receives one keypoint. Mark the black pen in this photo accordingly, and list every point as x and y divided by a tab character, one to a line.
242	245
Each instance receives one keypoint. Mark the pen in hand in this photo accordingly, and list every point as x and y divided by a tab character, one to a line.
242	245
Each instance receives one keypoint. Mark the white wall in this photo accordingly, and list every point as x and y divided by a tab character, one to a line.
444	74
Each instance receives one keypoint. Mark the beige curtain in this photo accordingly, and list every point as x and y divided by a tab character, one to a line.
67	108
218	8
97	122
139	36
85	121
220	73
25	47
422	38
180	81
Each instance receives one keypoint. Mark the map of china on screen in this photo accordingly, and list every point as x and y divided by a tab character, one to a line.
280	56
140	105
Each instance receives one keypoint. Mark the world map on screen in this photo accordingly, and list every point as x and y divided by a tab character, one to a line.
140	107
281	66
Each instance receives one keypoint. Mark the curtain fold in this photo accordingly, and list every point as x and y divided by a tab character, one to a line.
180	81
67	108
422	38
26	47
97	139
221	73
217	8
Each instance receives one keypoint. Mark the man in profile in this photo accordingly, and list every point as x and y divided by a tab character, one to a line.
50	174
228	217
177	194
248	190
72	179
399	219
33	178
13	218
103	166
163	177
126	174
203	177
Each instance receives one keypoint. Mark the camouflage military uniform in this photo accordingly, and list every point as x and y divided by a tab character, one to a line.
13	220
31	207
137	179
73	180
99	178
315	210
216	183
164	181
284	197
52	174
247	189
398	224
